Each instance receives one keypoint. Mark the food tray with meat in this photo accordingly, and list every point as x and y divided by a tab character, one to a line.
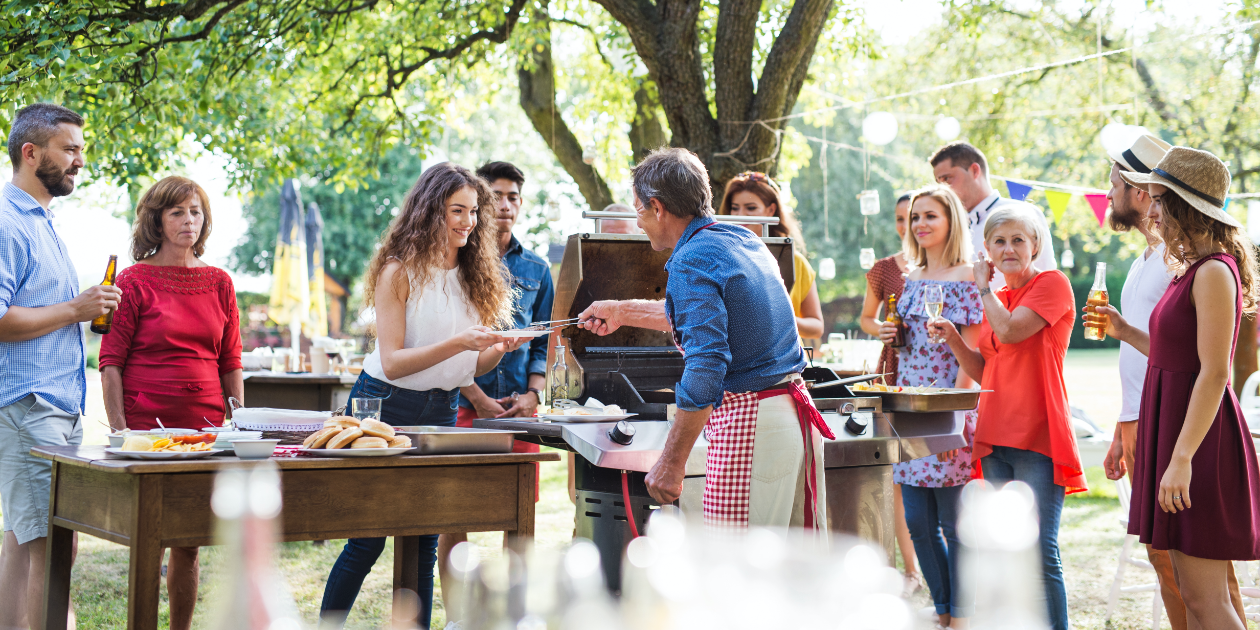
921	399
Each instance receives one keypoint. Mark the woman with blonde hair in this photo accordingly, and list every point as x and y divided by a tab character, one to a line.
937	246
439	289
174	349
753	194
1196	483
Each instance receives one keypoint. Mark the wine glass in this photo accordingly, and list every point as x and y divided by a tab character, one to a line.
933	302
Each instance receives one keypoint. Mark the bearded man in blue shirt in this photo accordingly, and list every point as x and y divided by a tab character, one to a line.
729	312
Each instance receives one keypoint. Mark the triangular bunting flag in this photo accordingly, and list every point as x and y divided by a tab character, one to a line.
1099	204
1058	201
1018	191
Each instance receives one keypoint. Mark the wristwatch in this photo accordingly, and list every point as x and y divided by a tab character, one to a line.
537	392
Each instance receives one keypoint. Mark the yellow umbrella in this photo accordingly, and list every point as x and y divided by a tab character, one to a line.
290	301
316	324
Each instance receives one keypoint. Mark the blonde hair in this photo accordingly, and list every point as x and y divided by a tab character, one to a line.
1023	214
957	244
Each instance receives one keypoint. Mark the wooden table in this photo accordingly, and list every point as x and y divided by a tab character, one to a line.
309	392
151	505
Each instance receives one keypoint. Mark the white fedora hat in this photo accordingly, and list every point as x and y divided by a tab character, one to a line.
1198	177
1145	153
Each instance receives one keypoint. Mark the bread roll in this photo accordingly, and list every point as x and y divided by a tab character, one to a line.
400	441
343	422
344	438
376	428
370	442
137	443
319	438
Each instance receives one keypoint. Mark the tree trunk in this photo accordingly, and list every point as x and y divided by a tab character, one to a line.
537	78
646	132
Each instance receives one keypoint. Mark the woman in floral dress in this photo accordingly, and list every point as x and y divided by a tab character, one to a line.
938	246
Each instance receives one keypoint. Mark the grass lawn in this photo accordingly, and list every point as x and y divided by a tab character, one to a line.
1090	538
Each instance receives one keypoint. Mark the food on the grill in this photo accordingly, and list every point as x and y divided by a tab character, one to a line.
376	428
344	438
400	441
319	438
876	387
344	422
370	442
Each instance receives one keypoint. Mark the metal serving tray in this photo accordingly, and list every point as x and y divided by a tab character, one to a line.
456	440
951	400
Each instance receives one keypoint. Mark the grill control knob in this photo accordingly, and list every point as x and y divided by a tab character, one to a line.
857	422
622	433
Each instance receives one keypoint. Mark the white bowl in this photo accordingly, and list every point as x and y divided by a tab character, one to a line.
116	439
254	449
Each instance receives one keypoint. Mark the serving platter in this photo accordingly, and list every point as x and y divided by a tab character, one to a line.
160	455
355	452
521	333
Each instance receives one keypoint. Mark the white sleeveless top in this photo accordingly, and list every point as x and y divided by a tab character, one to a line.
435	312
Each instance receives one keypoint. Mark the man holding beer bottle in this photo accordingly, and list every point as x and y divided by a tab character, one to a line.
42	382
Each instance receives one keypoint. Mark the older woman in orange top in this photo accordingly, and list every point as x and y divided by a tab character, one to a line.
1024	432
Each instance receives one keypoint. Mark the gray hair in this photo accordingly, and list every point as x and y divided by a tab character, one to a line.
36	124
677	178
1020	213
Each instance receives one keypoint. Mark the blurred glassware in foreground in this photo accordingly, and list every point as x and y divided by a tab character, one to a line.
998	529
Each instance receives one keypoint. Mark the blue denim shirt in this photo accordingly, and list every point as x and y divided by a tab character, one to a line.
731	314
531	277
35	271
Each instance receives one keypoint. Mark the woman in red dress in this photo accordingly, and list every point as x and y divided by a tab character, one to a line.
175	347
1196	483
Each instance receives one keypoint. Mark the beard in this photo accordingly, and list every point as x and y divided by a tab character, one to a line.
1123	217
59	183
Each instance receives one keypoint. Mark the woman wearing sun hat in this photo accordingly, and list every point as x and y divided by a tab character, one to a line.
1196	487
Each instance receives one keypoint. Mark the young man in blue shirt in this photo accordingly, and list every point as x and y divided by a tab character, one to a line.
42	382
729	312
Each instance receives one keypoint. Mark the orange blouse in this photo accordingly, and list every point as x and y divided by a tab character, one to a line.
1028	407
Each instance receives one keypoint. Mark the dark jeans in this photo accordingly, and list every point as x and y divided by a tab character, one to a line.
400	407
1013	464
932	516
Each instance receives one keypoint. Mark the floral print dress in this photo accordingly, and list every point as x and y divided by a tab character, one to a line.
922	363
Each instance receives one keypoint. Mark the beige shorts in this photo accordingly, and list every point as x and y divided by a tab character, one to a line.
25	480
776	494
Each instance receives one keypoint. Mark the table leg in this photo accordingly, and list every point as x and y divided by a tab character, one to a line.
519	539
145	572
58	563
406	568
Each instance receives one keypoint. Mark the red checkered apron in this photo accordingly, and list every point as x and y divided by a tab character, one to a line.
732	431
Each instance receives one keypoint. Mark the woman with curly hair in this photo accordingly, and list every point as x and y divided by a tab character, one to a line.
439	289
1196	483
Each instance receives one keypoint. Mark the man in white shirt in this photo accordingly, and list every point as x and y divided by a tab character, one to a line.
965	170
1144	286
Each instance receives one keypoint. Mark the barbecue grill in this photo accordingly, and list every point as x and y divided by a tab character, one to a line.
637	370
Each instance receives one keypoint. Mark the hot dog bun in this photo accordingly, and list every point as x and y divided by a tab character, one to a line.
376	428
344	422
319	438
343	439
370	442
400	441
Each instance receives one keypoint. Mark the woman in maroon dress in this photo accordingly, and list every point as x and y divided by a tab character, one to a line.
175	347
1196	483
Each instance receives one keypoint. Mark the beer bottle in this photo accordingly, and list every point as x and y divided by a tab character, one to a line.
899	340
1096	323
102	324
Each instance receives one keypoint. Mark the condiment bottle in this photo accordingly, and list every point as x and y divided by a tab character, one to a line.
102	324
899	340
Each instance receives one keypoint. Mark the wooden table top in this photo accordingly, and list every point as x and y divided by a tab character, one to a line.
300	378
96	458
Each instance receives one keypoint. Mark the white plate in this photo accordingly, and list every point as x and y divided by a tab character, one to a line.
160	454
522	333
356	452
604	418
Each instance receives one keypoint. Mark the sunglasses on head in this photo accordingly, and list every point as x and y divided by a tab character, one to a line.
758	177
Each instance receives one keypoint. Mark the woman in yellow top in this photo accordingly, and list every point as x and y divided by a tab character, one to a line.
753	194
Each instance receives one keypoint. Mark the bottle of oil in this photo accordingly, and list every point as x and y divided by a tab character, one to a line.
1096	323
899	341
559	373
102	324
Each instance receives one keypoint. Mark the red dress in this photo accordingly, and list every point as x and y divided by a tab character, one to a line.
1223	521
176	331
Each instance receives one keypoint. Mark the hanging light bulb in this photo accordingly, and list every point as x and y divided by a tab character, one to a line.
588	154
827	269
1068	259
866	258
868	202
880	128
553	210
948	128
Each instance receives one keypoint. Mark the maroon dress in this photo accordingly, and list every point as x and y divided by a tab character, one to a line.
1223	522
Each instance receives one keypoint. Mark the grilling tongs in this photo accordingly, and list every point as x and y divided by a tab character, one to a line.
555	323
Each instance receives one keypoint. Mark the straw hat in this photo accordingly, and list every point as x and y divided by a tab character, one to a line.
1145	153
1198	177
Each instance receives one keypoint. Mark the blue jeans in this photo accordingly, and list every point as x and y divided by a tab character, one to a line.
932	516
1013	464
399	407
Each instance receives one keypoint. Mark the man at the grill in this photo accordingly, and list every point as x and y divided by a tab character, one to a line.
729	313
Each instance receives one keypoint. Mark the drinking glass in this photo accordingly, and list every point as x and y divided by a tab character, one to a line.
364	408
933	302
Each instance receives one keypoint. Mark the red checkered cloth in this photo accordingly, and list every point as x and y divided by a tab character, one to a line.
732	432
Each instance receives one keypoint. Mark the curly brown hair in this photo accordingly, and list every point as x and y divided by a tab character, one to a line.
146	230
1186	233
761	185
418	240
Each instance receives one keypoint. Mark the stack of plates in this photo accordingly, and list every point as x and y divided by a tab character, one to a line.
224	439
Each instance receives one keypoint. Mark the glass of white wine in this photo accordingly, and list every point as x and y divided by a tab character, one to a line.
933	302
